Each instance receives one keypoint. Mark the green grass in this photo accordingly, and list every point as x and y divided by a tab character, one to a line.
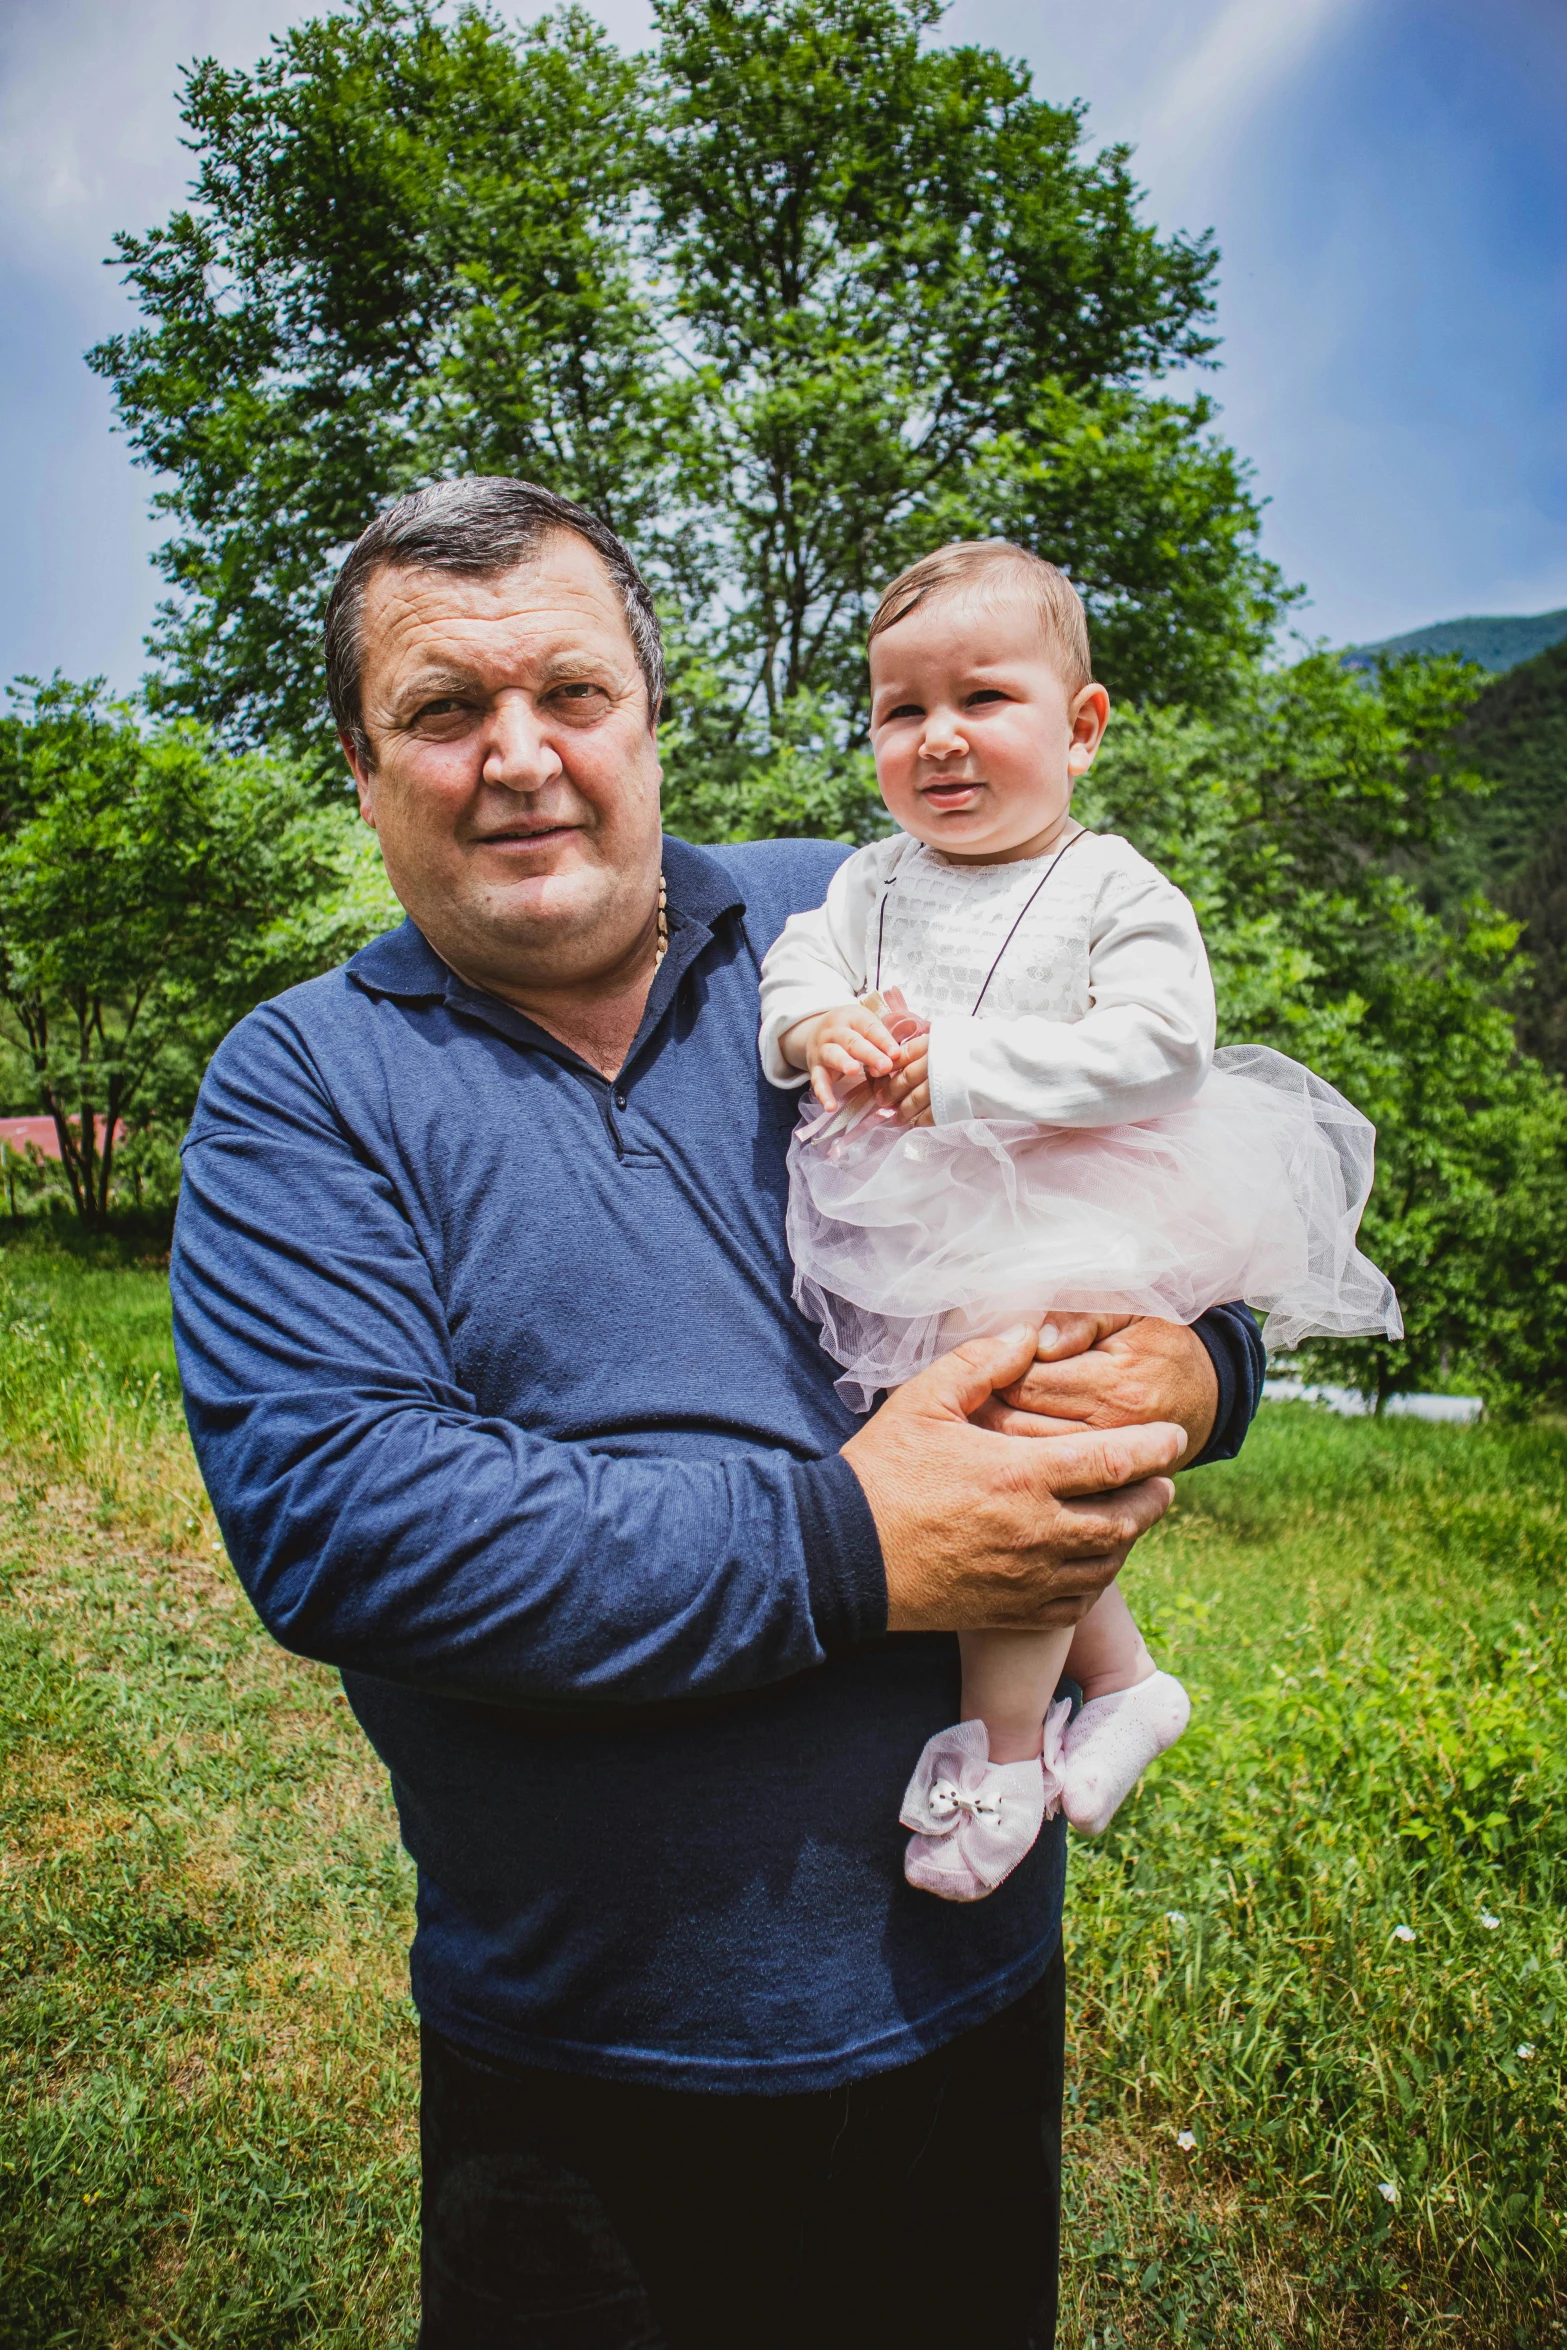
206	2052
206	2048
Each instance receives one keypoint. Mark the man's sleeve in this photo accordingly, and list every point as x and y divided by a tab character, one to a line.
381	1523
1235	1349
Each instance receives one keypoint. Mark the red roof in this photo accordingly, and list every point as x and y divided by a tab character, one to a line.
38	1134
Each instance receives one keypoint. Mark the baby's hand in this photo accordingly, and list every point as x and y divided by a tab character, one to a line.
843	1047
908	1089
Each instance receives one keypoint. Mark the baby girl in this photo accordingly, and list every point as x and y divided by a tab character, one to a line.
1008	1024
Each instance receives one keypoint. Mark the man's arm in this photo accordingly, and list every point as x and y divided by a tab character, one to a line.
382	1523
987	1530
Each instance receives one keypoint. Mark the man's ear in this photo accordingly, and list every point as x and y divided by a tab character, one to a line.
364	778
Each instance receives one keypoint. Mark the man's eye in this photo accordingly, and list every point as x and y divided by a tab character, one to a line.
445	706
580	689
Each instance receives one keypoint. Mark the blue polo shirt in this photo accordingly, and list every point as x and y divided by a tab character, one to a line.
495	1383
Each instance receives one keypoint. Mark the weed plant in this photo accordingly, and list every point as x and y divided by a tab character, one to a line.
1317	1964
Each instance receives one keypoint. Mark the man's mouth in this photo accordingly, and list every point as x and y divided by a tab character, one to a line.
525	836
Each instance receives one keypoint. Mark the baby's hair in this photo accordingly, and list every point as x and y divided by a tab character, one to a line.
991	567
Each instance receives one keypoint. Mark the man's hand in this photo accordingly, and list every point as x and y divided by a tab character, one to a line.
1107	1371
981	1530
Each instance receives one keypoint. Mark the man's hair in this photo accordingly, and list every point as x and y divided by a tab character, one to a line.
477	527
992	569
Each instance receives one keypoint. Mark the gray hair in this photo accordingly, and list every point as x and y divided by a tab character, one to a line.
477	527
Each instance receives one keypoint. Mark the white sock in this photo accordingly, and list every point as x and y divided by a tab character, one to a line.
1112	1742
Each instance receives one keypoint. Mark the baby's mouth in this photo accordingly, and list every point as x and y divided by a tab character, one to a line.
961	792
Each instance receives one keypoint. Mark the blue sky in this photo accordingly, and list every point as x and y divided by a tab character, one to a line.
1388	180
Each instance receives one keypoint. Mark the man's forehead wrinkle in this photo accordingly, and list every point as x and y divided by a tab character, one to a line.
423	639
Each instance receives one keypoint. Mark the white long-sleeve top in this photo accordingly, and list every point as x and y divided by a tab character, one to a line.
1099	1009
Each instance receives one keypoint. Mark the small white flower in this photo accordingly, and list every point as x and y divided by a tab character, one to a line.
1387	2190
1176	1917
1526	2047
1403	1933
1488	1921
1185	2140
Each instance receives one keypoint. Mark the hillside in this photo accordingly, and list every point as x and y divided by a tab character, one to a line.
1498	642
1513	845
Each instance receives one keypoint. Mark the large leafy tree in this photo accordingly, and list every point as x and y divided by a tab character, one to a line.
915	309
790	301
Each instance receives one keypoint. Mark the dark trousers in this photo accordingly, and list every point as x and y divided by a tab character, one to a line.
916	2207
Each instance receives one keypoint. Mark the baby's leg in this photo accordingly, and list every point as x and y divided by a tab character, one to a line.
1131	1712
982	1790
1009	1679
1107	1651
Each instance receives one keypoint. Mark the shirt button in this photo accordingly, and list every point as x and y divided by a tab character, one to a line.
620	1100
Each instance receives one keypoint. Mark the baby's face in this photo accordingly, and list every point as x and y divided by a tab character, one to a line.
978	743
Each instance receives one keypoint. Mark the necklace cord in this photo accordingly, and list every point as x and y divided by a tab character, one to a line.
1027	904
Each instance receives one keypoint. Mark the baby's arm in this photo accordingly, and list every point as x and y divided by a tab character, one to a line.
841	1048
1143	1047
813	975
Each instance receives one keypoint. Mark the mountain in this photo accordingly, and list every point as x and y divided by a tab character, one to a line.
1499	643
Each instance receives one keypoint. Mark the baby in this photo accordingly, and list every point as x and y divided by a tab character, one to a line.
1008	1024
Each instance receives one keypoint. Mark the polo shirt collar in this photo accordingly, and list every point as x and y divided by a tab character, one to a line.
403	963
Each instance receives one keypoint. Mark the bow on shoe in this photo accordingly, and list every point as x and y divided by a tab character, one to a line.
945	1800
973	1820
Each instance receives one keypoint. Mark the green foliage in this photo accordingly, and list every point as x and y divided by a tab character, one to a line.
788	301
406	256
1292	821
1512	842
151	890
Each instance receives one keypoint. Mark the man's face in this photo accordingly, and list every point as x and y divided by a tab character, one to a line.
514	783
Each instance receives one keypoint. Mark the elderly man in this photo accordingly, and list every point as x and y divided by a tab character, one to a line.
483	1314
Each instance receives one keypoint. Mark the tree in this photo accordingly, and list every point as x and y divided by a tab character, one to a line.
914	310
150	891
406	256
1294	823
788	303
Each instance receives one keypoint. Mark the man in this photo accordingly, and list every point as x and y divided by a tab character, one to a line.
483	1314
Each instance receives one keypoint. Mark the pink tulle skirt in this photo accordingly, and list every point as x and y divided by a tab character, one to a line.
908	1240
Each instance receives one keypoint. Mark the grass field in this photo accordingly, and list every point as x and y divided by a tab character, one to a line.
1318	1965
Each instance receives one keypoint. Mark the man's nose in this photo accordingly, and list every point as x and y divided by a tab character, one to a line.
519	753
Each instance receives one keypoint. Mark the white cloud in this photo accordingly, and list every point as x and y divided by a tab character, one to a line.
89	114
1248	48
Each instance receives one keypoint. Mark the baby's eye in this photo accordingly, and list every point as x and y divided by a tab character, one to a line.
904	710
989	693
